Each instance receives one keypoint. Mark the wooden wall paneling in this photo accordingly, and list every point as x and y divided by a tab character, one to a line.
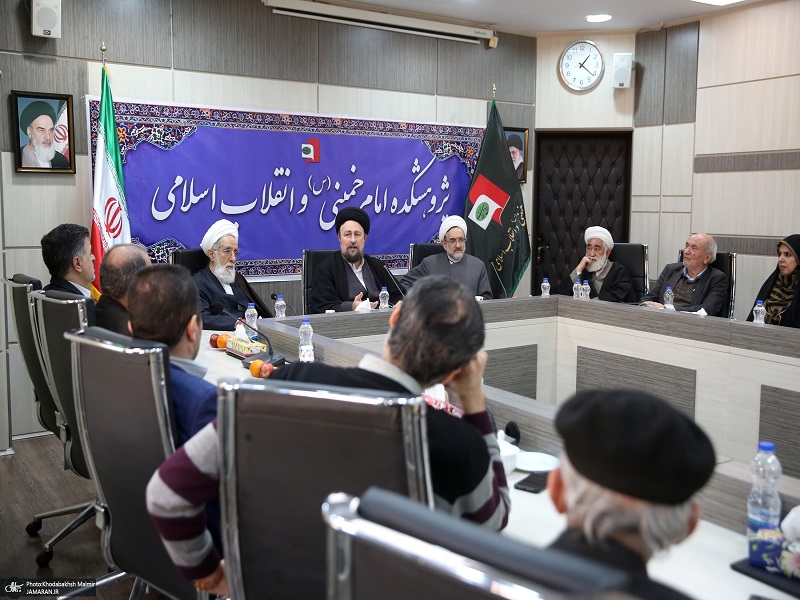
243	38
749	44
751	273
291	290
369	58
134	32
758	116
680	78
650	59
515	115
761	245
674	230
376	104
535	419
646	161
513	369
677	160
606	370
461	111
767	198
44	74
469	70
766	161
779	422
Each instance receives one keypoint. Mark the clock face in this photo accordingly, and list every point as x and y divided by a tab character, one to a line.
581	65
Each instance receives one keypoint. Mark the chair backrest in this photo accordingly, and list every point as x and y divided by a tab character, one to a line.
633	257
25	316
193	259
126	422
418	252
59	312
383	546
285	447
311	260
725	262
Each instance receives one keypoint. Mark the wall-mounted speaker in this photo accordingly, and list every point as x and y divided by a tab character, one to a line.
622	70
46	18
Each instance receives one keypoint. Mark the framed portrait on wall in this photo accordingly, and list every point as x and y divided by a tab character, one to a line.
43	133
517	140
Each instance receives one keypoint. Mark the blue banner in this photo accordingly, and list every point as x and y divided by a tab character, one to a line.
283	178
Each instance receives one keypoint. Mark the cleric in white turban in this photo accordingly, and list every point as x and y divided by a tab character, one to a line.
608	281
454	262
221	288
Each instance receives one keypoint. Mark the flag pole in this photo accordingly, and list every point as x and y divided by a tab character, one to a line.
103	50
494	90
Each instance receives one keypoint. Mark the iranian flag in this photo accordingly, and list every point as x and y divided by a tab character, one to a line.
110	225
61	133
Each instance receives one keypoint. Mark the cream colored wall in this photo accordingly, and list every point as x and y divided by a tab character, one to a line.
747	102
558	107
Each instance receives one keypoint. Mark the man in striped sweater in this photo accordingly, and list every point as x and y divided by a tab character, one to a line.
436	336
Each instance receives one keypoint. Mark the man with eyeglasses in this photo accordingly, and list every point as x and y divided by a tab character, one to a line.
454	262
219	283
351	279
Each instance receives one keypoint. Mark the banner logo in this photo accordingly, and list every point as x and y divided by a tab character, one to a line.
310	150
113	217
488	202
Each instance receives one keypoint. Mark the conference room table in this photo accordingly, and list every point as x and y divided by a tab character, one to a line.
699	566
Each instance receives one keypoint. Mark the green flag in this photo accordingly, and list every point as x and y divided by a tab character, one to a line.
497	229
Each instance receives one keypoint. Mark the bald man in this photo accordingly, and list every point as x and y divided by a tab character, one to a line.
38	122
119	266
454	263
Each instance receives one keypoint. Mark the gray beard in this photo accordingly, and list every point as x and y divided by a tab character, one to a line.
353	256
43	153
597	265
223	274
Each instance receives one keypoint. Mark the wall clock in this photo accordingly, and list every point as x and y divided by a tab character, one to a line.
581	65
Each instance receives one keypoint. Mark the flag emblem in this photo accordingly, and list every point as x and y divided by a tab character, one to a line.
113	217
488	202
310	150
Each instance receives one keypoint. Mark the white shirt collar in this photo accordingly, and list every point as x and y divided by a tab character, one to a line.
375	364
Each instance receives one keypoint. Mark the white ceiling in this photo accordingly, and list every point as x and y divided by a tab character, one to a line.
531	17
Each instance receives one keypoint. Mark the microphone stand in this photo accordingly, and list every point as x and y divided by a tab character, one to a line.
396	284
274	296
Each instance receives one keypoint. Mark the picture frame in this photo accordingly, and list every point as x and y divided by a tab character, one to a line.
43	134
521	160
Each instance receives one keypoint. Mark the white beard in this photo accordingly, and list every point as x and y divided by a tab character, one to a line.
225	275
597	265
43	153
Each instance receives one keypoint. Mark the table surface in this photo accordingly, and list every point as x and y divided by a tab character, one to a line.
699	567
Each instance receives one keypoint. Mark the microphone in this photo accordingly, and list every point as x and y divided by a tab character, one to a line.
274	296
269	356
491	262
396	284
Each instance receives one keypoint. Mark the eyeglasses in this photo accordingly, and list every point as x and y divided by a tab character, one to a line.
456	241
227	251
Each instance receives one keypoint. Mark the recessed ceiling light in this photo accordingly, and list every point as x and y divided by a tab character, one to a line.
603	18
717	2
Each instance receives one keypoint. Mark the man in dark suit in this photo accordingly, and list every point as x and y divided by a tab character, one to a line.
627	481
694	282
163	307
119	266
67	252
219	283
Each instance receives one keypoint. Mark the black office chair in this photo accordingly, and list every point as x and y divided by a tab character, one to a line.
317	440
633	256
311	260
725	262
418	252
25	315
193	259
127	425
386	546
57	312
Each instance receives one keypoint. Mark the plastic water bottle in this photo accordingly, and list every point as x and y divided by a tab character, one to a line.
759	312
763	502
280	307
576	289
306	353
669	297
383	298
585	291
250	317
545	288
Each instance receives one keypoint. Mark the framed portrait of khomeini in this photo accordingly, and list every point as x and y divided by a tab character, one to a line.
517	140
43	133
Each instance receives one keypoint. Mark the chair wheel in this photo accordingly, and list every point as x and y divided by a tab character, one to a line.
33	527
44	557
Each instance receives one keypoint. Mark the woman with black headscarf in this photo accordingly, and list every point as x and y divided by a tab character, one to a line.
779	292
